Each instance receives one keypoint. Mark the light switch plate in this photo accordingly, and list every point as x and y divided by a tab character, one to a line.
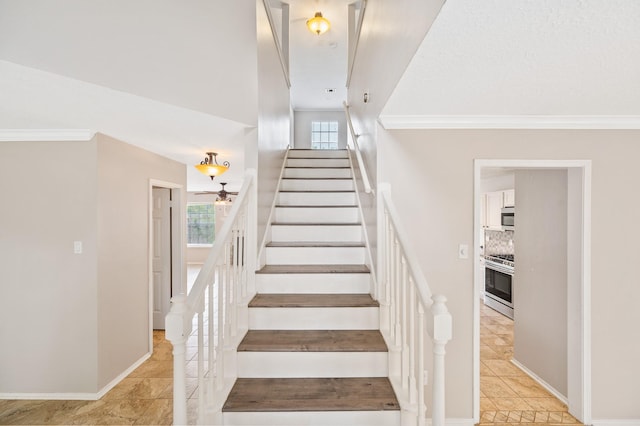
77	247
463	251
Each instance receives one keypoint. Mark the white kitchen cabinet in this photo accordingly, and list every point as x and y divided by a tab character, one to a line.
493	203
509	197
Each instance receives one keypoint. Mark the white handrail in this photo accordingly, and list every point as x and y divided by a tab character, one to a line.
356	148
219	294
405	296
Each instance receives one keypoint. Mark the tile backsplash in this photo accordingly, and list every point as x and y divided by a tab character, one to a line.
498	242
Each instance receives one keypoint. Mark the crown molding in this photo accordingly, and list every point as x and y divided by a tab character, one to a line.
622	122
45	135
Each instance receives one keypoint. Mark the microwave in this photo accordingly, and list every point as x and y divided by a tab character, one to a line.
507	218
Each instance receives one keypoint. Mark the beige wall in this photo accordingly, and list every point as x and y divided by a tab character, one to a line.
540	279
48	296
124	172
71	323
431	174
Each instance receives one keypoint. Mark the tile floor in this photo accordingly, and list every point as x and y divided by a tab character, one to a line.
142	398
507	394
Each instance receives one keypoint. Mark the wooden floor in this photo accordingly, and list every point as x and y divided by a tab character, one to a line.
315	394
313	341
275	300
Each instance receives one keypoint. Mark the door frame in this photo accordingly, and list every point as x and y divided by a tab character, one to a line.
579	291
178	268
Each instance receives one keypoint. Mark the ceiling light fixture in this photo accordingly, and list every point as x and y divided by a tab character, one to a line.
210	167
318	24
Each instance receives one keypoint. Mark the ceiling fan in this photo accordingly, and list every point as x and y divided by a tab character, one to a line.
222	194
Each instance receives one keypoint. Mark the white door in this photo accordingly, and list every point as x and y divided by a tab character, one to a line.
161	238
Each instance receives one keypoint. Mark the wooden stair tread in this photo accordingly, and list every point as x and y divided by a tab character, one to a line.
289	300
314	269
315	244
313	341
316	178
311	394
317	167
312	206
315	224
328	191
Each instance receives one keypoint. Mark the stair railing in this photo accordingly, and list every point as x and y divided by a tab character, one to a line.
356	148
405	297
216	307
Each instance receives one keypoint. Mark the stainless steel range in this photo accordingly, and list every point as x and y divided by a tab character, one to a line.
498	285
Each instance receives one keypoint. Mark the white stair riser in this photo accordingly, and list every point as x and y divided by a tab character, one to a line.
306	233
318	162
312	364
317	173
316	215
365	318
317	199
317	153
316	185
315	255
314	418
313	283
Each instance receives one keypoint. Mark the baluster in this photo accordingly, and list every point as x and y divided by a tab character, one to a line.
234	283
397	279
228	284
177	332
441	333
220	326
201	383
403	322
390	284
412	342
422	408
211	329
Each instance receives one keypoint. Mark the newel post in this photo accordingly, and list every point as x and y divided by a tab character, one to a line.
177	333
441	332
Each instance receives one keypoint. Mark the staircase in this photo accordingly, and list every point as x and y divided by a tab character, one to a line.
313	354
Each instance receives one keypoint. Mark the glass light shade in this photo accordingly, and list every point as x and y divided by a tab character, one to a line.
211	169
318	24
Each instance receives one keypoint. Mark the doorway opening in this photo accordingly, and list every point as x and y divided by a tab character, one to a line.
167	275
578	241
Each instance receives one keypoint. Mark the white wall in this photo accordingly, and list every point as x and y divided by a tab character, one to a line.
302	127
147	48
267	149
379	63
540	279
434	195
71	323
499	182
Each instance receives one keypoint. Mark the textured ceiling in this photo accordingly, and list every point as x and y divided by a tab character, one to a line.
505	57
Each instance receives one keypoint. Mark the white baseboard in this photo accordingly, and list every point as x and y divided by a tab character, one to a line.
102	392
615	422
455	422
83	396
544	384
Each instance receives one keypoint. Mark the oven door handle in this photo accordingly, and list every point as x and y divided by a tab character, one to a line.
498	267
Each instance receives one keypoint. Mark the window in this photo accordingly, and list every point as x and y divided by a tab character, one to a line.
324	135
201	223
